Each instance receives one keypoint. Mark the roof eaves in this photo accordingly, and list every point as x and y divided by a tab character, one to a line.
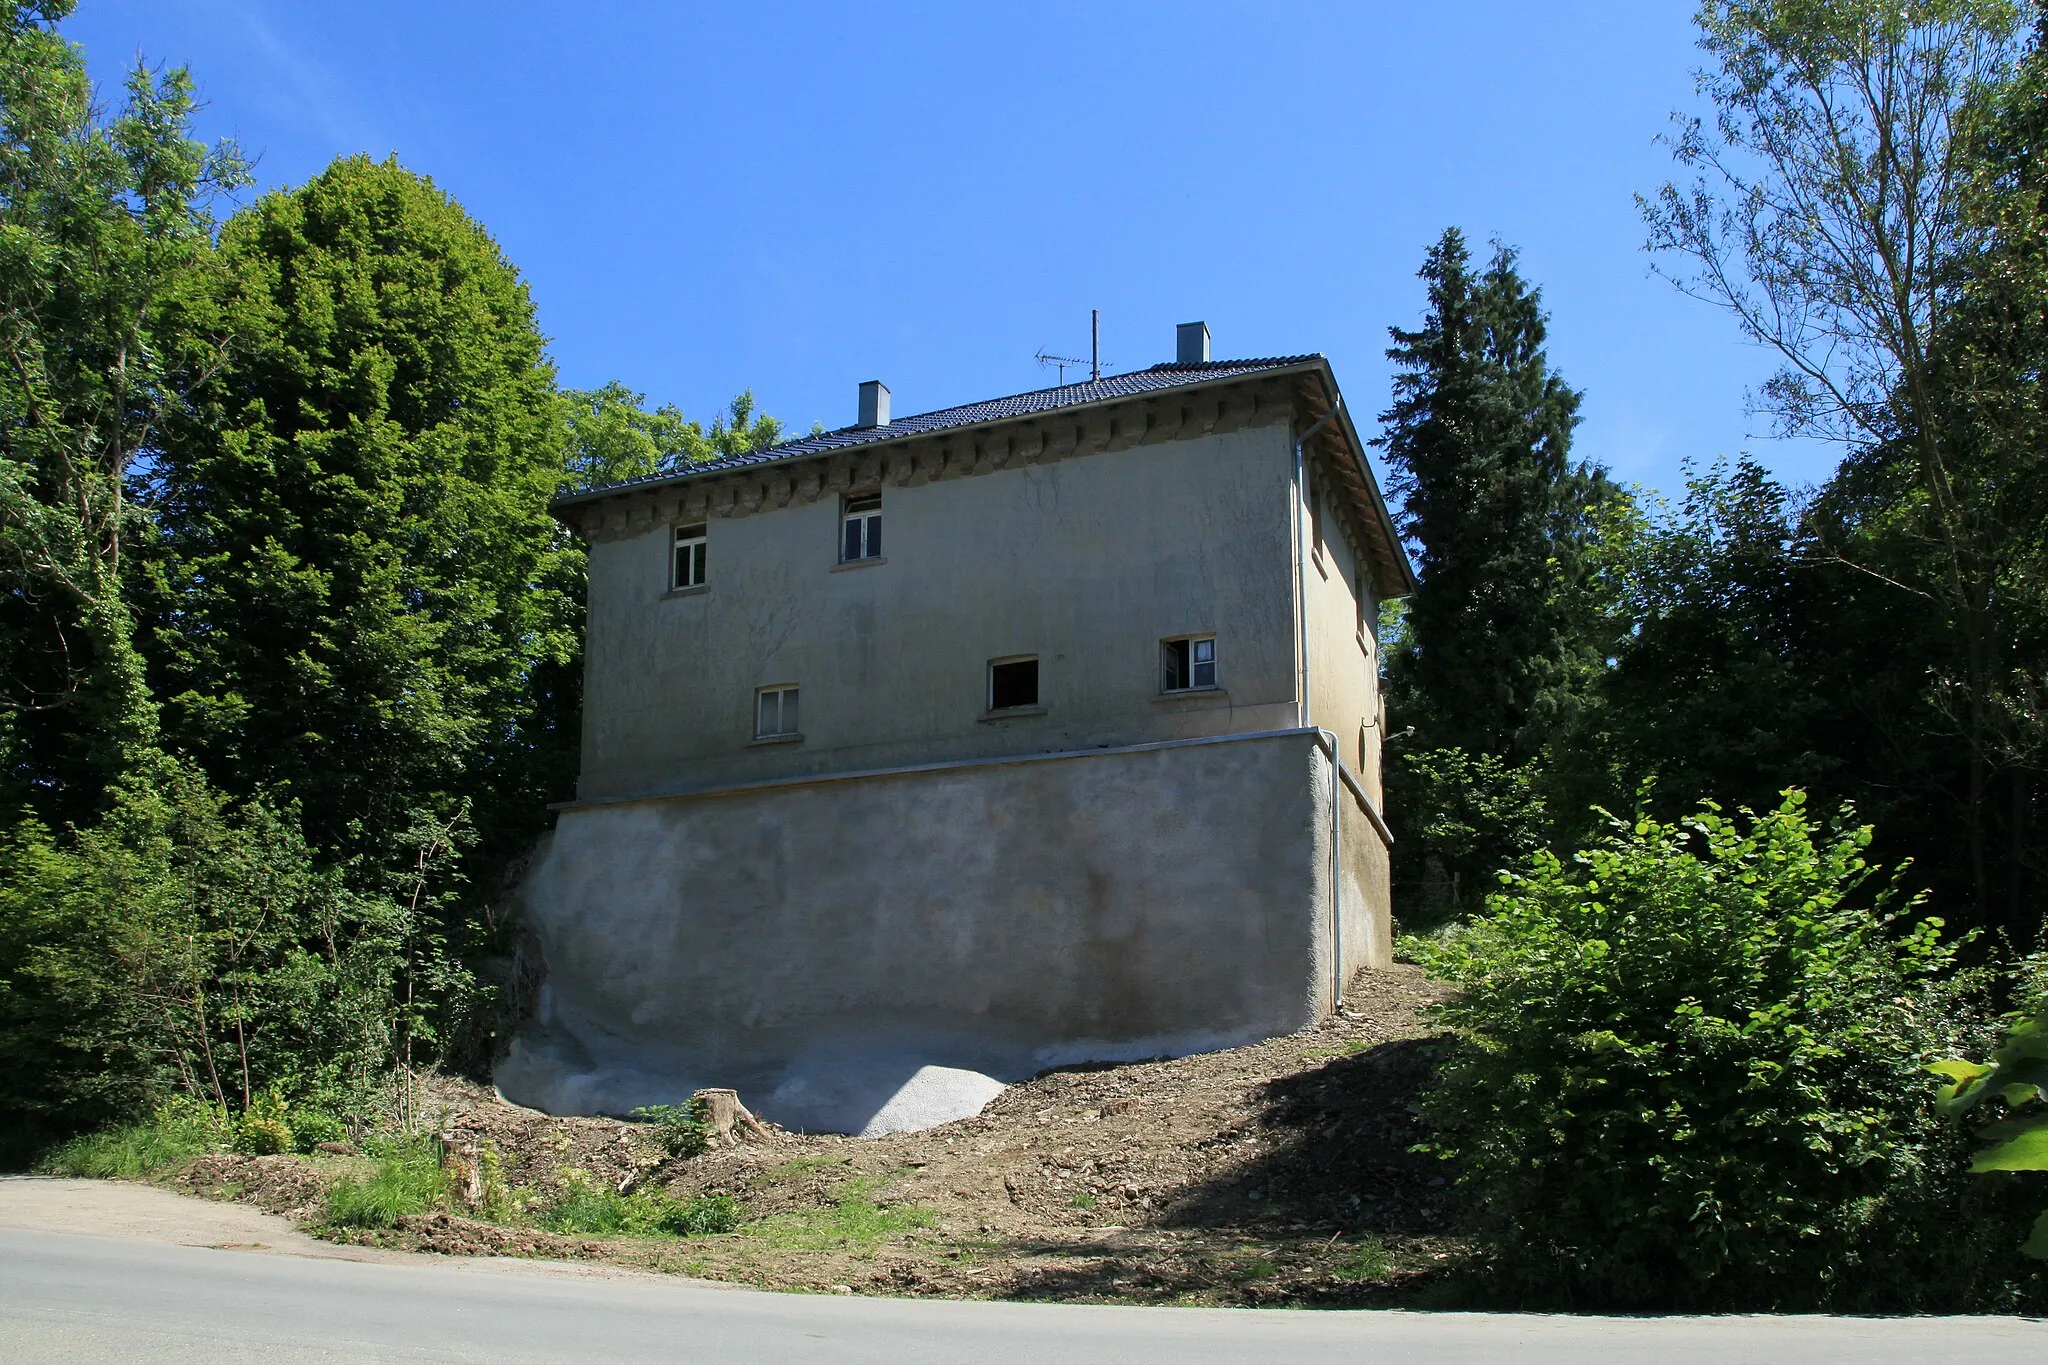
1229	371
1399	551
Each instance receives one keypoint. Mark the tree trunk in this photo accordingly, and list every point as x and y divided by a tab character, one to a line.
728	1118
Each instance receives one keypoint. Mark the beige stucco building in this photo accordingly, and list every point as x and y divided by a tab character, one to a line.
1020	734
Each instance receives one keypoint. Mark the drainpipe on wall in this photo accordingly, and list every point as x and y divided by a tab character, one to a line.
1336	895
1303	711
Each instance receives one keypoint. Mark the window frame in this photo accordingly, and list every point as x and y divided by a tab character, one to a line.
860	514
1178	657
788	711
698	548
989	685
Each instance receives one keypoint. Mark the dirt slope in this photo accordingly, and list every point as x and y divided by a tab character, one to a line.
1276	1173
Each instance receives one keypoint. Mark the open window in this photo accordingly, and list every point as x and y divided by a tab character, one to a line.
861	529
775	713
1188	664
1012	683
686	566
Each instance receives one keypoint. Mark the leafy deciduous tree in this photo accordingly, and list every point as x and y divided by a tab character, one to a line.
104	228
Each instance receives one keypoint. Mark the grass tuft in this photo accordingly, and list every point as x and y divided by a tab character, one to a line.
407	1181
171	1137
589	1209
854	1219
1367	1260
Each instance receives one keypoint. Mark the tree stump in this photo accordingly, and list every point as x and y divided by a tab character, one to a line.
462	1167
728	1119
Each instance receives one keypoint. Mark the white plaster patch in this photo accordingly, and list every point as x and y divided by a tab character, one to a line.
935	1095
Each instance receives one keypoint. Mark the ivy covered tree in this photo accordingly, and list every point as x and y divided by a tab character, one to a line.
105	231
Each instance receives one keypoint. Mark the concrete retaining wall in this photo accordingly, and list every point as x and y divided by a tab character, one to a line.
814	943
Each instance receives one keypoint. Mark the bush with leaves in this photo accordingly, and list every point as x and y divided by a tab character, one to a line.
2017	1075
684	1130
191	945
1468	816
1688	1076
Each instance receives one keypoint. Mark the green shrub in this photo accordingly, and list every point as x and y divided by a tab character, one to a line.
311	1127
590	1209
190	943
175	1134
407	1181
681	1129
1689	1076
2017	1076
264	1128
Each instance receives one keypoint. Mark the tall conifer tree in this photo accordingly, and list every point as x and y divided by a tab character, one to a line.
1500	641
1479	440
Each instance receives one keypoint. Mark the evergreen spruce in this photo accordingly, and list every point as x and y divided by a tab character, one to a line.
1500	643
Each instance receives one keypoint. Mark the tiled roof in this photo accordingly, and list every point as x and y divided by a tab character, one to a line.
1158	378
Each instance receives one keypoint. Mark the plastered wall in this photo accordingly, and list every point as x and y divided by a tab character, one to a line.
1345	700
1087	563
814	944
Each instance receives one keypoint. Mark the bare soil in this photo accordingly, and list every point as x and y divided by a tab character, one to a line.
1273	1174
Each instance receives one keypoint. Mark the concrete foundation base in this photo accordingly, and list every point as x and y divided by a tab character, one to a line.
823	945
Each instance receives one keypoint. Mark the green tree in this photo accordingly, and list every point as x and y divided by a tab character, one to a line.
1716	687
358	588
613	437
104	230
1866	203
1500	643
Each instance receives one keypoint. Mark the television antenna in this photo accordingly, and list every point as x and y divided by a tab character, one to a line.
1094	361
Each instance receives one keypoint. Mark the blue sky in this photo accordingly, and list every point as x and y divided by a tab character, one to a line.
797	197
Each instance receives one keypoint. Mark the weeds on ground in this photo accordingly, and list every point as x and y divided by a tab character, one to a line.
854	1219
1243	1269
407	1181
1368	1260
171	1136
588	1208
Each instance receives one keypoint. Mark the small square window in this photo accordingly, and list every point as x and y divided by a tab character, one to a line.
775	712
861	529
687	564
1012	683
1188	664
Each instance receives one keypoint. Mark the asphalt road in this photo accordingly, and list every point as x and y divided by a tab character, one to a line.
80	1298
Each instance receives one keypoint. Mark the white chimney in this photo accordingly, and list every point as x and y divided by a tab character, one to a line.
1191	343
874	404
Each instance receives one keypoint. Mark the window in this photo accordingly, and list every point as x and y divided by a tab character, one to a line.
861	529
686	566
1012	683
775	713
1189	664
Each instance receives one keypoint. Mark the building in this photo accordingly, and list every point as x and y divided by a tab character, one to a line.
1027	733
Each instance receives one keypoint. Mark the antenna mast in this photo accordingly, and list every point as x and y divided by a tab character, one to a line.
1094	360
